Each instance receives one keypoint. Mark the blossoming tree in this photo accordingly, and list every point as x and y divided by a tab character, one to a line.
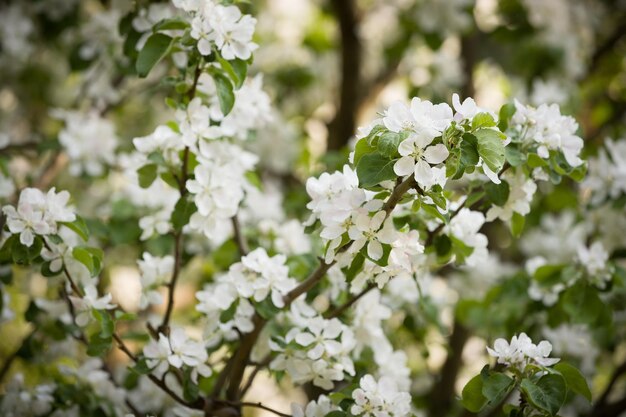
440	232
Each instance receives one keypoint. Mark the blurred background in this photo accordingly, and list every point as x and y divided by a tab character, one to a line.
328	66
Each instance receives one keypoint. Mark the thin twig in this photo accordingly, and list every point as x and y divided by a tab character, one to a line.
240	239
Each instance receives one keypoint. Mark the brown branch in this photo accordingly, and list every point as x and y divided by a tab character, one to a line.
342	127
239	237
339	310
442	393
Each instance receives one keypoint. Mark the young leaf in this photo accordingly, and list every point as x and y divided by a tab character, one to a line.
183	210
388	144
498	193
491	148
574	379
79	227
225	93
548	393
147	174
374	168
154	50
496	387
472	395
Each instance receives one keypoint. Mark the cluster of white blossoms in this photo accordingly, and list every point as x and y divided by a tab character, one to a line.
38	214
607	172
546	126
316	408
177	350
257	277
20	401
219	186
155	272
315	349
224	27
90	301
465	226
521	351
522	190
89	140
251	111
380	398
423	121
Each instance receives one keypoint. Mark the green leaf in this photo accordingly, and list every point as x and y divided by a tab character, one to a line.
237	69
578	173
472	396
582	303
574	379
469	150
79	227
504	116
547	273
361	148
170	24
24	255
107	325
90	257
517	224
225	93
98	345
147	174
483	120
154	50
535	161
183	210
548	393
374	168
496	387
498	193
491	148
388	144
514	156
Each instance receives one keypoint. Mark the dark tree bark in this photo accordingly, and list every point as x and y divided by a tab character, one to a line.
343	125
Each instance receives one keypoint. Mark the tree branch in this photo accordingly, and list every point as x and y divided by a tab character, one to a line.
342	127
239	237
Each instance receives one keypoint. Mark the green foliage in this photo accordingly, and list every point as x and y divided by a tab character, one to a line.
90	257
374	168
491	147
156	48
547	393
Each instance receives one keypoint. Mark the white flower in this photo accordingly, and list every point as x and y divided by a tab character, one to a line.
88	139
90	301
416	158
258	275
226	28
29	218
423	119
164	140
367	230
320	337
466	110
380	398
550	130
176	350
316	408
521	351
595	259
18	401
6	185
521	191
156	223
155	271
193	122
465	226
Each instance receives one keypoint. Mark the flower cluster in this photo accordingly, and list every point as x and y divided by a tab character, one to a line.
315	350
89	140
38	214
222	26
155	271
521	351
550	130
380	398
176	350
